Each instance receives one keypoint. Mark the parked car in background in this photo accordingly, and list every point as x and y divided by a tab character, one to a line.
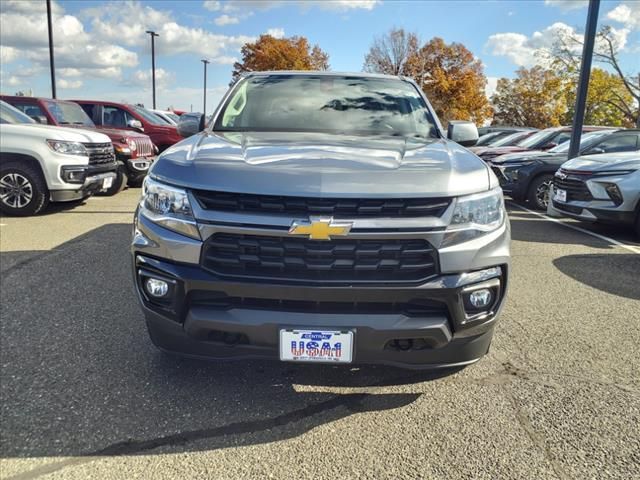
305	225
492	137
133	118
599	188
542	140
501	128
527	176
503	141
41	163
134	151
168	116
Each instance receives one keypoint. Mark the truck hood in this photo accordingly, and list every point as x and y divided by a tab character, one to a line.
117	134
71	134
519	157
303	164
605	162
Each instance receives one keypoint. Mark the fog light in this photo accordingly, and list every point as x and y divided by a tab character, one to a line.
481	298
156	288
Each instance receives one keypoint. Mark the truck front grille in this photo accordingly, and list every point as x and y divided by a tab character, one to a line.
576	188
414	308
100	153
144	147
337	207
336	261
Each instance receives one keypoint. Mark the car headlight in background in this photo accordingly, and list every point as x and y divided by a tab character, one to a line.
68	148
475	215
169	207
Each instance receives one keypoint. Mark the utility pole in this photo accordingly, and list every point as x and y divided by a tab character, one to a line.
52	65
204	107
153	64
585	73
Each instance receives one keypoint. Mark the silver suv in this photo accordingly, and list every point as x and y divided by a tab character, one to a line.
323	217
599	188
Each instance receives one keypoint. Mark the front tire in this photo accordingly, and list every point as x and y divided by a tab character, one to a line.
539	190
23	190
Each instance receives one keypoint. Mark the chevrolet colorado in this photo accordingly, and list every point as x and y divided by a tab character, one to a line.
323	217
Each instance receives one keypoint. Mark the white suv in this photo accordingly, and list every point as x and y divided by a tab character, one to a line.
41	163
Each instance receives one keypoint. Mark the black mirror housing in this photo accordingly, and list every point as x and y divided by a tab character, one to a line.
462	132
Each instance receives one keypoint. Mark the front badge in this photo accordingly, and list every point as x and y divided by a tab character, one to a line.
320	228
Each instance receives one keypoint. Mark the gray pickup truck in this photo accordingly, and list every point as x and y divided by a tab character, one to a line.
323	217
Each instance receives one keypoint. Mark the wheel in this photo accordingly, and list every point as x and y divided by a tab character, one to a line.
539	189
23	190
119	184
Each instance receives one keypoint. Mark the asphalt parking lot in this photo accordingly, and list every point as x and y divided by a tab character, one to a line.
86	395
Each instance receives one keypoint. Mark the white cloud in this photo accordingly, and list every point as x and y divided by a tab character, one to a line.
567	5
20	6
212	5
526	51
13	81
490	87
69	84
626	13
225	19
8	54
276	32
345	5
247	6
143	78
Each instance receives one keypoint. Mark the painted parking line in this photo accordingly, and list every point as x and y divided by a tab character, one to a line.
631	248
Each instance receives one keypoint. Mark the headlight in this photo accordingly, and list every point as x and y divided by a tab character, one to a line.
475	215
68	148
169	207
132	145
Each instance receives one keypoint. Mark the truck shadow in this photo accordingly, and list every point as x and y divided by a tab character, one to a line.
80	378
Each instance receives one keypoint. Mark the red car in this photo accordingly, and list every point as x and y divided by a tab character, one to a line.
134	151
131	117
543	140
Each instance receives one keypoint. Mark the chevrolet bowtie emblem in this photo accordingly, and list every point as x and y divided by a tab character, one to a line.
320	228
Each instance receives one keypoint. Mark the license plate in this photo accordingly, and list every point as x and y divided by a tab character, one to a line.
107	182
559	195
316	346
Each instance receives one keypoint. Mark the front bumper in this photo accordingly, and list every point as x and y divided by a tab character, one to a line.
212	317
93	183
136	168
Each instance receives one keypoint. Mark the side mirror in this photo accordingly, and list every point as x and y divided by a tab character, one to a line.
549	146
594	151
135	124
190	124
40	119
464	133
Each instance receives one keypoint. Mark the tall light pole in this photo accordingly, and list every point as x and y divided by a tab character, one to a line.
585	72
204	107
153	64
52	64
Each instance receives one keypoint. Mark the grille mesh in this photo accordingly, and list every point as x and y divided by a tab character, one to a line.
303	260
576	188
338	207
100	153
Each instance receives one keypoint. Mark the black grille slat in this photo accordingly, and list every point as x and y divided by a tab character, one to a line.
413	308
304	260
303	206
100	153
575	187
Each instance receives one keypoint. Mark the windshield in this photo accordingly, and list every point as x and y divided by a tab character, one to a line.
487	139
585	141
510	139
149	116
173	117
535	138
68	113
9	114
329	104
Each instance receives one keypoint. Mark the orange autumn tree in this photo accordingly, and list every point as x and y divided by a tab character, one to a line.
270	53
449	74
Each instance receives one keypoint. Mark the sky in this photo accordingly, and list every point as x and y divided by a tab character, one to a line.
103	52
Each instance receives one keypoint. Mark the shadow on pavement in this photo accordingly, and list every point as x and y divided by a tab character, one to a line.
81	378
616	274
